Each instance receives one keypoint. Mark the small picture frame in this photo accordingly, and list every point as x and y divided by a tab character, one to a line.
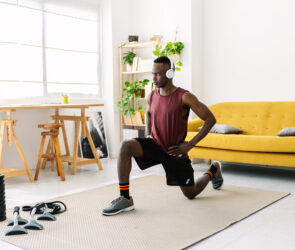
132	38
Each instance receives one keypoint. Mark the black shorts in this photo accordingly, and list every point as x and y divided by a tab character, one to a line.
179	171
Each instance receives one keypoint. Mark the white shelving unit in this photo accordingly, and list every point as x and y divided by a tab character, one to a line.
132	76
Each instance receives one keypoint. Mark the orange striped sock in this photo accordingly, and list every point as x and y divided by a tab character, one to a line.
124	190
210	174
211	171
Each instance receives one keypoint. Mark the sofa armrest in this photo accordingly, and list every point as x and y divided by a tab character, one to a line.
194	124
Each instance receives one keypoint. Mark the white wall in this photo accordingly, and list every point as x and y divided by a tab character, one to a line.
249	52
115	29
197	54
161	18
156	17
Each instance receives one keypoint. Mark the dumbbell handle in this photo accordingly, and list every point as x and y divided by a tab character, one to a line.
16	210
16	214
33	213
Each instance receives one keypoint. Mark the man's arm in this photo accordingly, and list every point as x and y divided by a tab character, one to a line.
202	111
148	118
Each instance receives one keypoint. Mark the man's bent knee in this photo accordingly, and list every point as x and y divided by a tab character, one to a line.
189	192
125	145
131	148
190	196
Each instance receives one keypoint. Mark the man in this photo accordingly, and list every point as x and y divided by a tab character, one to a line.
166	128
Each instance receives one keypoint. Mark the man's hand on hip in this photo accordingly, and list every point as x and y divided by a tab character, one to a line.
179	150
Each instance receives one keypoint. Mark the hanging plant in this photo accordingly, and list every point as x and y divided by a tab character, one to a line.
171	50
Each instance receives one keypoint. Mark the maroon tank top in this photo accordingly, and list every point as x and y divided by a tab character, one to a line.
168	126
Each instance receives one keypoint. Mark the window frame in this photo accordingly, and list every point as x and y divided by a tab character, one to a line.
56	97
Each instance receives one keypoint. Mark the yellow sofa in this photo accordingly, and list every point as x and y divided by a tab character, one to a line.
258	143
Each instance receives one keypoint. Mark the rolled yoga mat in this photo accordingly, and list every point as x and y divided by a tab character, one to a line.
2	199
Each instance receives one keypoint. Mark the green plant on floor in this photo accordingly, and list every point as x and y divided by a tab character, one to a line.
130	95
128	57
172	50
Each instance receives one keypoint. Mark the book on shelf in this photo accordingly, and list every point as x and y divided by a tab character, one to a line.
138	116
136	119
135	64
128	120
145	64
133	119
142	116
124	118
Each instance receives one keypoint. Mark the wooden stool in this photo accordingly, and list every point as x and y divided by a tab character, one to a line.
52	131
80	122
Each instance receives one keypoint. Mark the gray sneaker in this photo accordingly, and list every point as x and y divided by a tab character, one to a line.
119	205
217	179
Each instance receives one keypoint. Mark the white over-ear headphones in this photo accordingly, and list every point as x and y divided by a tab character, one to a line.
170	72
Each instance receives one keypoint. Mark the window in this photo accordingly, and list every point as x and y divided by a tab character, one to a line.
47	49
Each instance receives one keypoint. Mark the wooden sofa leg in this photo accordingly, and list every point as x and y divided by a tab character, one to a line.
209	161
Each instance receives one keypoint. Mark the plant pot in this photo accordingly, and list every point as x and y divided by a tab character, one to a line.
142	94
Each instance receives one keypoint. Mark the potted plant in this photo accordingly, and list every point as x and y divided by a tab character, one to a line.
172	50
128	59
130	94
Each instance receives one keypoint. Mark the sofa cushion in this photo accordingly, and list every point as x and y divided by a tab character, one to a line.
246	142
224	129
287	132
